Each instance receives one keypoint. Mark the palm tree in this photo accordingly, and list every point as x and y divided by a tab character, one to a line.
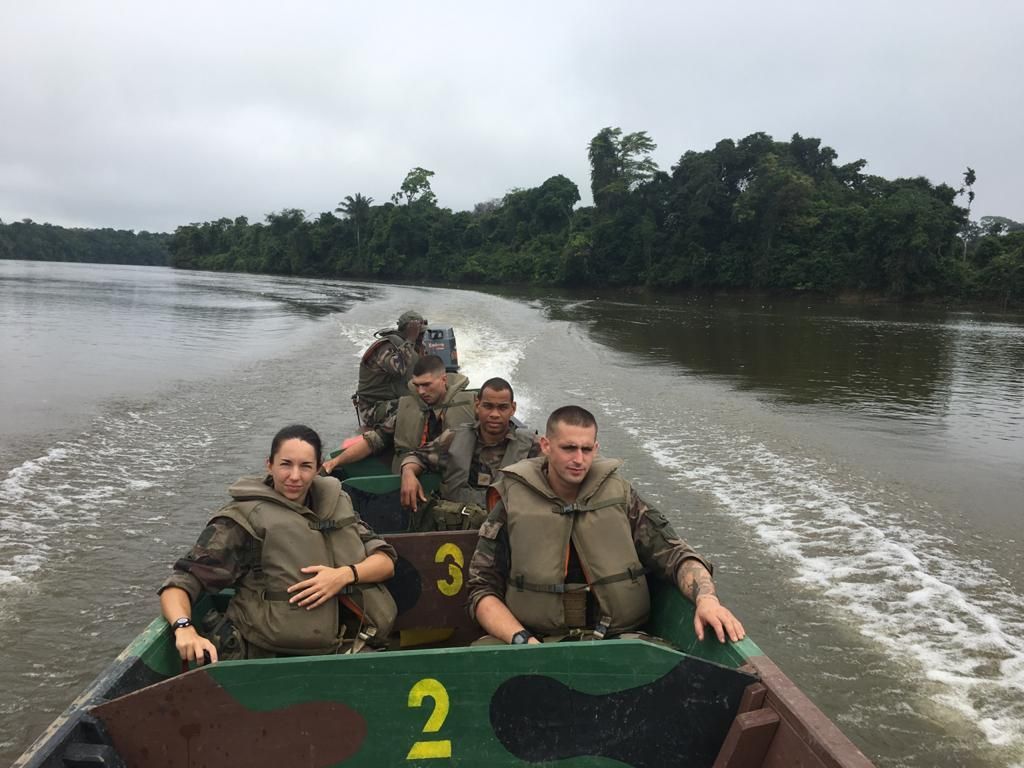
357	208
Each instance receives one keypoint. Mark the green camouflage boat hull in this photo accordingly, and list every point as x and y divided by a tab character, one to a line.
430	700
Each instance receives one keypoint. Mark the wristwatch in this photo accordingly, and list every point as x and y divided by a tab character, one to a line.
522	637
177	624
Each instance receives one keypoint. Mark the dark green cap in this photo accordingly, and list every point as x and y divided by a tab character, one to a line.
410	317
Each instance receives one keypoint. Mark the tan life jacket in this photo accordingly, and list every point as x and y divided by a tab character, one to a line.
459	480
456	408
376	385
294	536
540	529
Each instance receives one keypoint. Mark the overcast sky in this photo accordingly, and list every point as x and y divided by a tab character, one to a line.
129	115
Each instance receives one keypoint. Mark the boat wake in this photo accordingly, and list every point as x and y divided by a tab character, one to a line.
871	553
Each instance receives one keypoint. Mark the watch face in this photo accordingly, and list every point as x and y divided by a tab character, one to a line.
183	622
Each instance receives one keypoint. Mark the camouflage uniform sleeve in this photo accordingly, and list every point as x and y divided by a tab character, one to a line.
658	545
431	456
373	543
221	555
395	361
382	436
535	448
489	567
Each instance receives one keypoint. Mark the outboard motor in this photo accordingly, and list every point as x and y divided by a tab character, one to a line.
440	341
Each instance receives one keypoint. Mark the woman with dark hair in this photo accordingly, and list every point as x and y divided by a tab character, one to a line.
306	570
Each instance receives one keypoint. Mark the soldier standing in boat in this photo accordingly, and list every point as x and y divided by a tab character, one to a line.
434	399
567	545
386	367
468	458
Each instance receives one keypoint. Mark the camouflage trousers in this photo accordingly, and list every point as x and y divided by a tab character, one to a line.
373	413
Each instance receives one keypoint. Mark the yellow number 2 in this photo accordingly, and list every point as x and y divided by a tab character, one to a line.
422	750
451	587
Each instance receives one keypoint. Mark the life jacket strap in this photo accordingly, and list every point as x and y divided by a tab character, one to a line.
330	525
273	595
558	589
631	573
571	509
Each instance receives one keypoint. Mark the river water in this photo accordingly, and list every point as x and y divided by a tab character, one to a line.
855	472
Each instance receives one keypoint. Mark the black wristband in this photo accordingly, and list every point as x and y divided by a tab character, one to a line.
355	574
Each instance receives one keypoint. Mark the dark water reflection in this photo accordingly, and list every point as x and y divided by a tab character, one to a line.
916	364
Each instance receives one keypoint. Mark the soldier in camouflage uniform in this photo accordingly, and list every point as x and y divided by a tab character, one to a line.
566	546
385	369
289	540
433	400
468	457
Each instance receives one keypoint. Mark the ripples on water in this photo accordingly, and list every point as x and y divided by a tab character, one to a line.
73	328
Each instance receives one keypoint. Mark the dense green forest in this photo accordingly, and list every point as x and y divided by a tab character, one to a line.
754	214
46	242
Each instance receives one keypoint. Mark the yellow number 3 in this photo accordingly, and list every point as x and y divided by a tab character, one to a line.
451	587
440	747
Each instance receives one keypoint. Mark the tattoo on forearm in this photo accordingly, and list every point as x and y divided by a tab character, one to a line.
696	581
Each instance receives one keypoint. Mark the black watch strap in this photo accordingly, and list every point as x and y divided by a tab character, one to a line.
522	637
177	624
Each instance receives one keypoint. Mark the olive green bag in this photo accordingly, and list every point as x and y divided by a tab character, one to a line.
440	515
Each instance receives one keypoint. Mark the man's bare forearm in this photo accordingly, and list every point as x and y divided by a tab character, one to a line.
695	581
496	619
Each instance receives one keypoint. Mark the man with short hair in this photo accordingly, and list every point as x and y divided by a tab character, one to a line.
566	547
386	367
468	458
440	400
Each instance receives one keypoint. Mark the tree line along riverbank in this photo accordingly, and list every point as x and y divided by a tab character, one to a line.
754	214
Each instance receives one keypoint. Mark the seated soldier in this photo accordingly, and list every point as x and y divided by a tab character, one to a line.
468	458
386	367
287	540
439	400
566	547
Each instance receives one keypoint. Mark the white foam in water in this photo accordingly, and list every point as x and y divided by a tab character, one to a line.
75	483
486	347
16	485
905	586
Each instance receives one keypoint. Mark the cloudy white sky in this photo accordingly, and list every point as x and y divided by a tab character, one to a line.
145	116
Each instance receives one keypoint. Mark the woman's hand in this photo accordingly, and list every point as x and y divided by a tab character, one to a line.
325	583
191	645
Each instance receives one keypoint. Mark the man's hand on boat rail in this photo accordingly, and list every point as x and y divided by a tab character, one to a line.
711	613
191	645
